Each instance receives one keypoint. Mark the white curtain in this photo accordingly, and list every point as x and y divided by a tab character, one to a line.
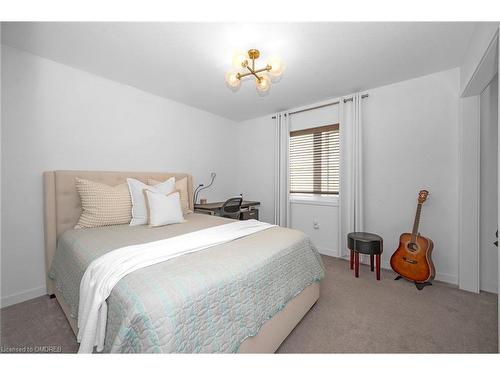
281	170
351	171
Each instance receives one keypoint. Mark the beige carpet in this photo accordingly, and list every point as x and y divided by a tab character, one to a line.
352	315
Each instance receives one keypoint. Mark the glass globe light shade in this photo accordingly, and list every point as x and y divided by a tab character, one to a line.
232	79
264	83
277	66
239	59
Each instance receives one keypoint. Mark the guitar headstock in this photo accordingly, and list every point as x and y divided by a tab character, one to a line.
422	196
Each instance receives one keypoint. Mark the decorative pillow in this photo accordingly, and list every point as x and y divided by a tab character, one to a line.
139	208
182	186
163	209
103	204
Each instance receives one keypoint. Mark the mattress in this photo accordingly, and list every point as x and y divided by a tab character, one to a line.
208	301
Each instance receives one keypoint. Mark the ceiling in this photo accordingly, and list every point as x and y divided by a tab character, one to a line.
186	62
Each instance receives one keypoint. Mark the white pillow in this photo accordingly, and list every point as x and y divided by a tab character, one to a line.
182	186
139	208
164	209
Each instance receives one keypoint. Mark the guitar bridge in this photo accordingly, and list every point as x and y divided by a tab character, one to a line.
411	261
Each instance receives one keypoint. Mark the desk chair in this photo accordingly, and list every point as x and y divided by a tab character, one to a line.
231	208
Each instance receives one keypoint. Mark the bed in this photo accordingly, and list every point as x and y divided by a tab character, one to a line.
243	296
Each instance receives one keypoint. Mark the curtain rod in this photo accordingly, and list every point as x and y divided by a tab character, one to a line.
324	105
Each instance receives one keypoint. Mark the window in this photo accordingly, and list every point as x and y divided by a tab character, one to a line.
315	160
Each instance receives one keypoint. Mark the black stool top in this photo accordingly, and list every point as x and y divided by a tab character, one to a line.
364	242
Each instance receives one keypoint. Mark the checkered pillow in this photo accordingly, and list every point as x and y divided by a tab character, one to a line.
103	204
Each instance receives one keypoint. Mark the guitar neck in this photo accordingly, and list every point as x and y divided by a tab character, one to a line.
416	223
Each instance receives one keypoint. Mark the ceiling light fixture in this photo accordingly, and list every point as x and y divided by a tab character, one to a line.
274	69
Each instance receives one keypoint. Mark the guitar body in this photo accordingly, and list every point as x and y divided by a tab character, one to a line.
412	260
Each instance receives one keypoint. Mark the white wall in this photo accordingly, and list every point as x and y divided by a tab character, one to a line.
478	44
320	221
255	161
57	117
327	115
410	142
488	255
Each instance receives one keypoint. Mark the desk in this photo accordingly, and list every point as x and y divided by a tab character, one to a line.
248	209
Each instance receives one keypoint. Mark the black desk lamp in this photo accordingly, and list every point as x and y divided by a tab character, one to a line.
202	187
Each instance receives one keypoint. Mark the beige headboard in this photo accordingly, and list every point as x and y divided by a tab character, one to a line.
62	206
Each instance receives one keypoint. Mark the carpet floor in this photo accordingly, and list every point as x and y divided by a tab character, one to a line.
352	316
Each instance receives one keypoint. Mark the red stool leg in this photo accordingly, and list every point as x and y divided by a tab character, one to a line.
356	264
371	262
351	259
377	257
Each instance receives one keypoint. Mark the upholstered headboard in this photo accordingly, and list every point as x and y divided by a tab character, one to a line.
62	206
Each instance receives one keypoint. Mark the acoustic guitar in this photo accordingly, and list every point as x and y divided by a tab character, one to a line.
412	259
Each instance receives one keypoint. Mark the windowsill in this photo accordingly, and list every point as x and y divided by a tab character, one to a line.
315	199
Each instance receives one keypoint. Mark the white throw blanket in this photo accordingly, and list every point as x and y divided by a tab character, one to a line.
104	273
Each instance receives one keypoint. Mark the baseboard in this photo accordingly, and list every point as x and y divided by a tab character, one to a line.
22	296
489	287
447	278
329	252
444	277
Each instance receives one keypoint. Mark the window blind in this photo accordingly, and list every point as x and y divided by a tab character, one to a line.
315	160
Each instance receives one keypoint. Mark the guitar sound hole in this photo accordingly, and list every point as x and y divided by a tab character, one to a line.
412	246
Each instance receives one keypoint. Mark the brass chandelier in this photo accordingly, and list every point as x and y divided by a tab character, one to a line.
263	76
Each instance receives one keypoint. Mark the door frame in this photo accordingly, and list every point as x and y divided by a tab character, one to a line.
498	185
469	169
469	195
